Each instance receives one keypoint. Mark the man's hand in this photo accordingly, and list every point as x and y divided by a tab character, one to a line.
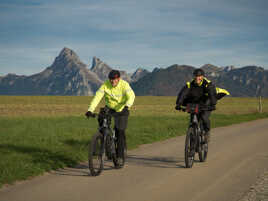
178	107
90	114
125	110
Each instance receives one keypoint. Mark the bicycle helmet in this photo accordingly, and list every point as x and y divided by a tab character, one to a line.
198	72
114	74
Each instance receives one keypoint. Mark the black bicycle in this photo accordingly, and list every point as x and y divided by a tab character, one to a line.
104	143
195	140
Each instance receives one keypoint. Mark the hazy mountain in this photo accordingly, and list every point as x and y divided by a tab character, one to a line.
247	81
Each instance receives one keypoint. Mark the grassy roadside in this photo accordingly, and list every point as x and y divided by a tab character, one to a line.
32	146
35	142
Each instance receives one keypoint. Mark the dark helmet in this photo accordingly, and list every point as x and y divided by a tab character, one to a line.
198	72
114	74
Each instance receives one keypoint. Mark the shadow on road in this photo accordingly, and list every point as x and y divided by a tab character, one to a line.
135	160
81	169
156	161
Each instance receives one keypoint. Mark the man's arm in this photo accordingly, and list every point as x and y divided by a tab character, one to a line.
212	94
182	94
130	96
96	100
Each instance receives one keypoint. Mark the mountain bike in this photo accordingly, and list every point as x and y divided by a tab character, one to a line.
195	140
104	143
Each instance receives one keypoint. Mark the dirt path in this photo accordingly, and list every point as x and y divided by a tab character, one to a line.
238	155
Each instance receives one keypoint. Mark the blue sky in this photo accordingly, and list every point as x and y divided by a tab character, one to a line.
128	34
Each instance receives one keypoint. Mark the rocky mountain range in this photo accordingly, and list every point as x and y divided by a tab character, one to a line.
69	76
248	81
66	76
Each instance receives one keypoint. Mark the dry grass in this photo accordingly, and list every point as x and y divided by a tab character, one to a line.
14	106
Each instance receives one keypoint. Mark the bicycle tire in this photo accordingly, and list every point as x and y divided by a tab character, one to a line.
189	150
96	154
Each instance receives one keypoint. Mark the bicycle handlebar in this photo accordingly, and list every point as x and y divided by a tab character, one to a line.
104	111
196	108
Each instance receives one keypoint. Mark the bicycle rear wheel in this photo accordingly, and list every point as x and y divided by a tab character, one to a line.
189	150
96	154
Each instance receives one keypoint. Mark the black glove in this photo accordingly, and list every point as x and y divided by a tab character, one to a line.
178	107
90	114
125	108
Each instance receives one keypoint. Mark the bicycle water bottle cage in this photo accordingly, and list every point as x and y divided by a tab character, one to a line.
192	108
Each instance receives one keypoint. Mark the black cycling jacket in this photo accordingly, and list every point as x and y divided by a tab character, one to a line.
205	93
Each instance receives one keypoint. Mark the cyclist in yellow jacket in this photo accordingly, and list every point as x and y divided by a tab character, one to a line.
119	97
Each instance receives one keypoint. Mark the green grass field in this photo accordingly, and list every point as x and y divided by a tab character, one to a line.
43	133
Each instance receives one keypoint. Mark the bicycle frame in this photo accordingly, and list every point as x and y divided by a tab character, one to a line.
104	119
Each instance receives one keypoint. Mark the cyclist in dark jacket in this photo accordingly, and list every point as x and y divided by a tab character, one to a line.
202	91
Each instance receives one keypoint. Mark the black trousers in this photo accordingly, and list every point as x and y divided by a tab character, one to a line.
120	124
206	121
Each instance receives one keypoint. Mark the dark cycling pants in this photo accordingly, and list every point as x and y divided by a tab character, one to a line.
120	120
205	118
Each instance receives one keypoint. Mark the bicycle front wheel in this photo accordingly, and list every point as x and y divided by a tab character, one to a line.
189	150
96	154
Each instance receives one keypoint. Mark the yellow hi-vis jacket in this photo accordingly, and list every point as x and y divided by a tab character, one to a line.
115	97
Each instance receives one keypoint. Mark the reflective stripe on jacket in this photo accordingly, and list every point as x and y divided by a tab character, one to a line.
115	97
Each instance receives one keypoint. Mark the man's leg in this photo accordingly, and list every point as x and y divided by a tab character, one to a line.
206	124
121	121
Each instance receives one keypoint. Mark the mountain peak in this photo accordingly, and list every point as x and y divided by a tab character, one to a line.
66	58
67	53
98	64
138	74
100	68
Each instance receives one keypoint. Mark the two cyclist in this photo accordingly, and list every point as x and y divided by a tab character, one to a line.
119	97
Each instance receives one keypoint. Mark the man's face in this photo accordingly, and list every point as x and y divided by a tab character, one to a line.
115	81
198	79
